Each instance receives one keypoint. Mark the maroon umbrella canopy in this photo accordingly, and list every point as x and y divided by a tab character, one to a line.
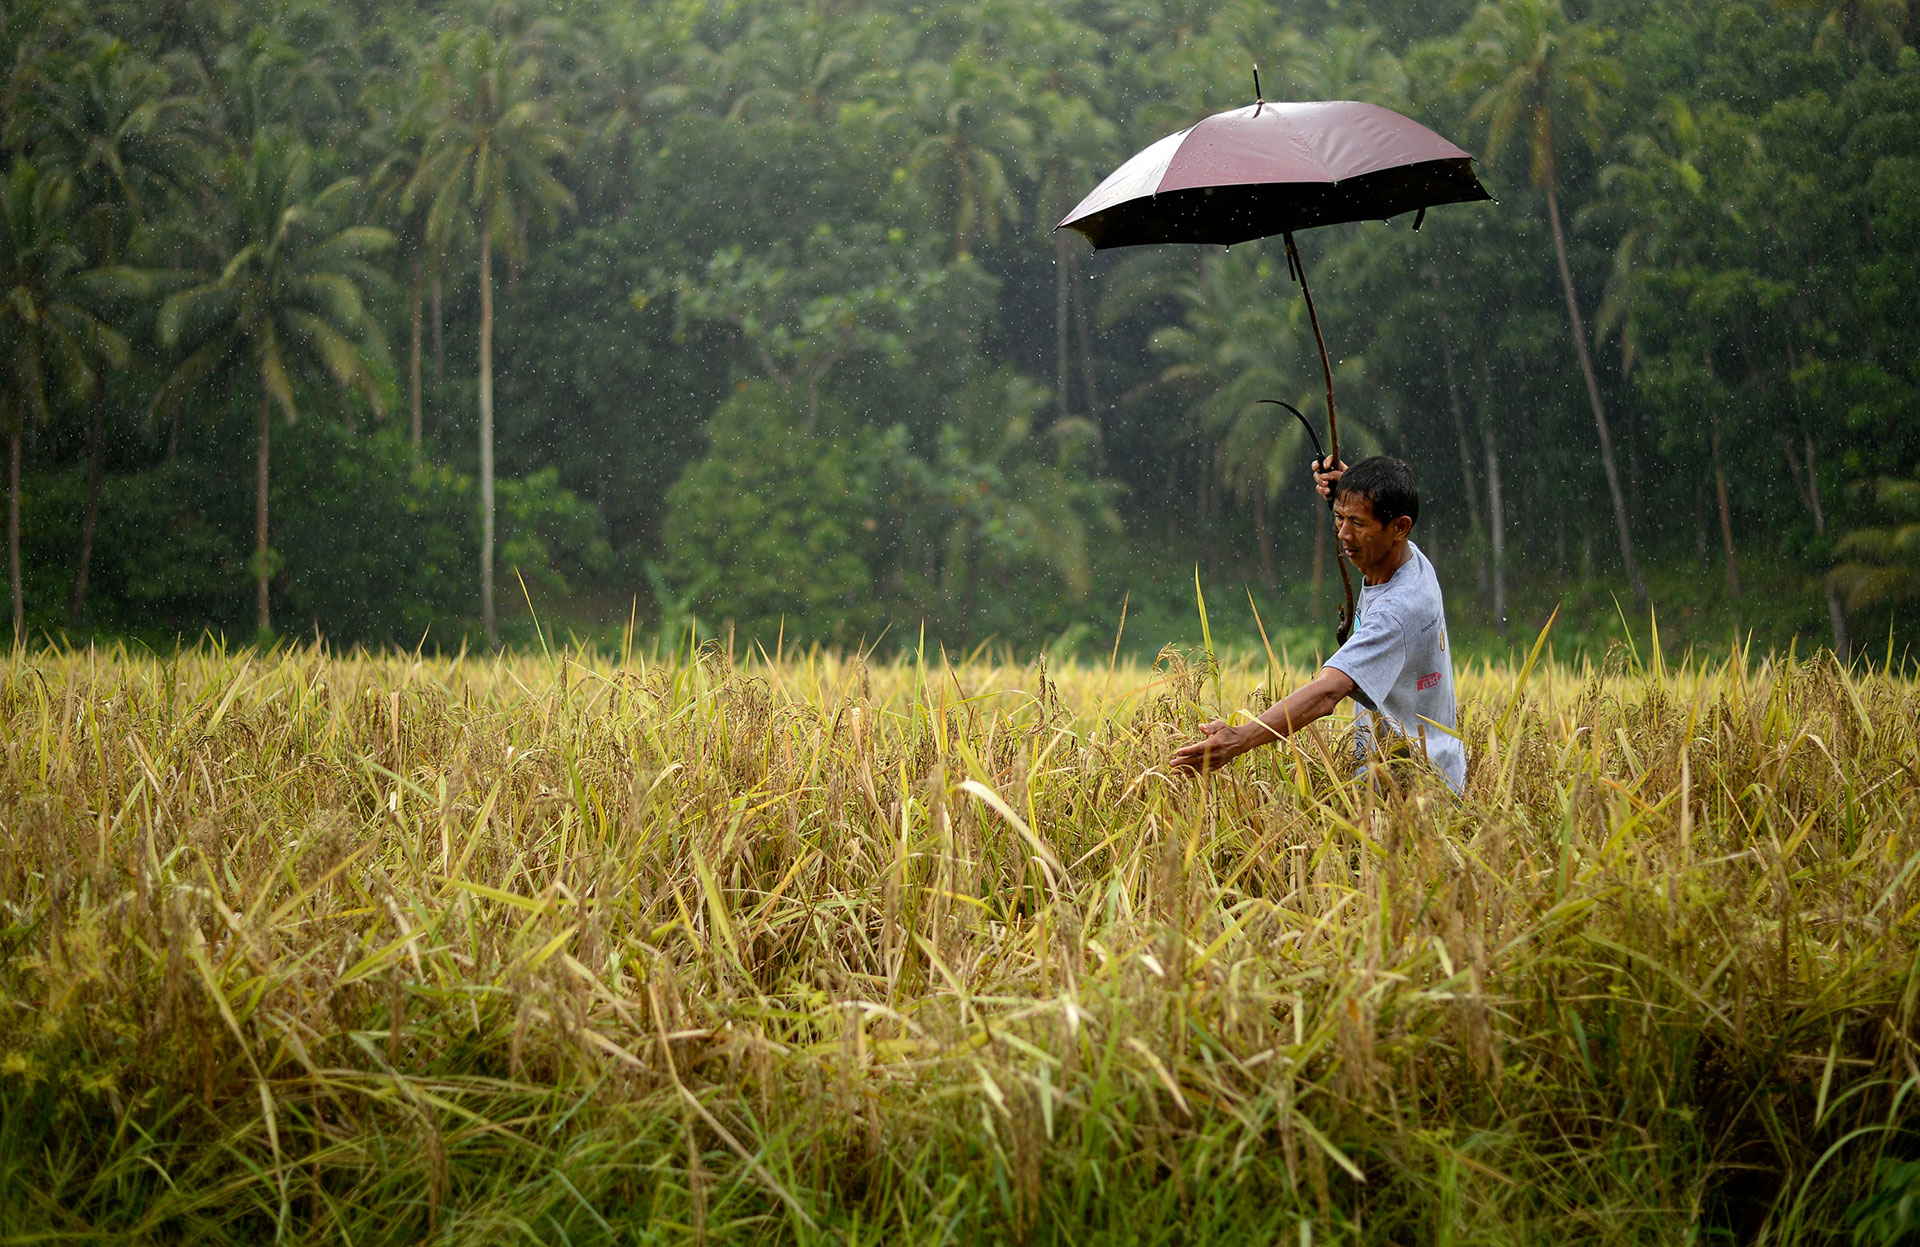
1273	169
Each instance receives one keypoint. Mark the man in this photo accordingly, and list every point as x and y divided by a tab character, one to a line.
1395	665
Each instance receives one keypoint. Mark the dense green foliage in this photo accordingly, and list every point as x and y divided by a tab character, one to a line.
1677	360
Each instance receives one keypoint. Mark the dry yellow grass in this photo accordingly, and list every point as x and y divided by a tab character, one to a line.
347	949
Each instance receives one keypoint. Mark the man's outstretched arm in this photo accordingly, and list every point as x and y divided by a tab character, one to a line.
1224	742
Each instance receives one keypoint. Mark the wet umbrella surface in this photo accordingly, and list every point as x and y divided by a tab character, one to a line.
1271	169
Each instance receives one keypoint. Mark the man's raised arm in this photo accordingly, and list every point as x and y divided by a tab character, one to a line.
1223	742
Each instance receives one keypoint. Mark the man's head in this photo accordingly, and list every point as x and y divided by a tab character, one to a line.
1375	505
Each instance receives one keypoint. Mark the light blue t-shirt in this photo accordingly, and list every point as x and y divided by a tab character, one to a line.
1397	656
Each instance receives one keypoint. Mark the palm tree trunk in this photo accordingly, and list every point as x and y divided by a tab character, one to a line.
1263	534
1593	395
1210	507
1726	511
1496	526
1842	645
971	570
96	471
1700	526
263	438
439	338
1062	260
13	538
1475	529
1088	392
962	240
487	621
413	359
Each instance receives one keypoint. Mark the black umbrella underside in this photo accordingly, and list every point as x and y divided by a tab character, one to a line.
1235	214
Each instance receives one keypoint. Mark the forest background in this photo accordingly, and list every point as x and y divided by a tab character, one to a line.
756	311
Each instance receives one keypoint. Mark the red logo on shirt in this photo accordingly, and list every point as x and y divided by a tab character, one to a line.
1429	680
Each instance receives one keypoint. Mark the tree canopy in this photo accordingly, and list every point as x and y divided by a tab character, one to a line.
759	311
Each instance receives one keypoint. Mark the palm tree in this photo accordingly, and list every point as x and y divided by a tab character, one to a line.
1009	494
50	337
397	111
974	142
794	64
628	83
1350	63
289	73
1865	24
1058	69
488	167
1880	565
125	134
1533	68
127	138
286	297
1075	141
1664	192
30	33
1236	345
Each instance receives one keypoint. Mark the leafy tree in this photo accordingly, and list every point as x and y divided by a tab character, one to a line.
1003	496
412	583
769	520
488	169
799	326
286	298
787	174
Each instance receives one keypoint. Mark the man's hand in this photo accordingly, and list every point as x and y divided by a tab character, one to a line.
1222	743
1324	478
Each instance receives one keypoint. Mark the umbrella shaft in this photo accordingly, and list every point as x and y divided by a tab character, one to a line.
1326	366
1333	426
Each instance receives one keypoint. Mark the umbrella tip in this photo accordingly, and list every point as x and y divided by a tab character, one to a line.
1257	97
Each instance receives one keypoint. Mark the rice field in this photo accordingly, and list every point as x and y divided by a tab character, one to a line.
699	947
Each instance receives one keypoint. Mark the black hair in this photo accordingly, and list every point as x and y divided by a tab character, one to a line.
1386	483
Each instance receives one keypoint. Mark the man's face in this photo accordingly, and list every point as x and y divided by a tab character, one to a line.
1368	544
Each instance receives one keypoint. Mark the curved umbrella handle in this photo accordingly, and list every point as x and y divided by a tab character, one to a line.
1313	437
1319	456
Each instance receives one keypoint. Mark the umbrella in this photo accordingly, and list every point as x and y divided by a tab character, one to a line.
1271	169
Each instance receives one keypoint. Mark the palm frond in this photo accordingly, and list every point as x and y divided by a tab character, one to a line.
191	372
338	354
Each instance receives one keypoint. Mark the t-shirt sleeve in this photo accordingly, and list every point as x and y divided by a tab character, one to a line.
1373	656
